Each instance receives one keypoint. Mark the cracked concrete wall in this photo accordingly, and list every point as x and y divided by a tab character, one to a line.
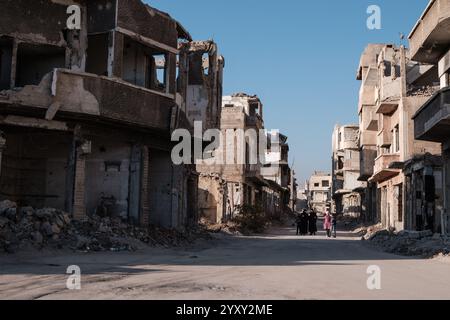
204	77
212	197
68	99
34	167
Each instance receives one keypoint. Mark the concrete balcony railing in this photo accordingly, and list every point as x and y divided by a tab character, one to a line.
389	95
370	118
432	121
66	94
384	138
383	167
382	162
366	162
367	94
429	38
368	138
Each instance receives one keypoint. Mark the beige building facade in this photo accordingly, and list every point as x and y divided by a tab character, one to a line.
346	171
430	44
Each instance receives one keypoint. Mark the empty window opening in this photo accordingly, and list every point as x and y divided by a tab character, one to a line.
97	54
145	66
255	109
5	63
196	68
159	71
205	64
35	61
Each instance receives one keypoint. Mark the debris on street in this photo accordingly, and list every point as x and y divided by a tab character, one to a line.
408	243
27	227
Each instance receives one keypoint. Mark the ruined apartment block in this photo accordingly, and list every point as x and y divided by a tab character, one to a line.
86	115
319	192
279	176
368	128
226	187
346	171
402	87
430	45
233	181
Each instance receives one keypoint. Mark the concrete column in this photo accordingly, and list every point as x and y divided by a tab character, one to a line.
145	204
14	63
2	147
79	202
446	185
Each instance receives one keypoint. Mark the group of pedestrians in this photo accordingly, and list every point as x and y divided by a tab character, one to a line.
307	223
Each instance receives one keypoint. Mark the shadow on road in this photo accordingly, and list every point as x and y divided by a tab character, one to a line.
281	248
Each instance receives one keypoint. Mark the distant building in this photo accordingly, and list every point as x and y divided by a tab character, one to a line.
302	199
319	191
345	171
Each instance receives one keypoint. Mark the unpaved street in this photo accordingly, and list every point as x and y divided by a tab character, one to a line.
278	265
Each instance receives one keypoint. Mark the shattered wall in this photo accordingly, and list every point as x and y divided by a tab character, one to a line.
212	197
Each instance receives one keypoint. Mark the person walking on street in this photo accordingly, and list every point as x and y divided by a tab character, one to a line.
327	223
299	224
312	223
334	225
304	223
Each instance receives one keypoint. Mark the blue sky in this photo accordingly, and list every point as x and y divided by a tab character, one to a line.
299	56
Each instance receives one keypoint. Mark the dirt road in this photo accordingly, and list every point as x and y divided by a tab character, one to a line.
278	265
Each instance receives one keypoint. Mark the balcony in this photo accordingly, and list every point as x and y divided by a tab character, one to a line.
389	95
384	138
66	94
429	39
367	95
432	121
368	138
366	163
385	167
371	121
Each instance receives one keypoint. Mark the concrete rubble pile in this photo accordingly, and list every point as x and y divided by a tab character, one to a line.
410	243
26	227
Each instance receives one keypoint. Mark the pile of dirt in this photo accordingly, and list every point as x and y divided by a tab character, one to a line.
228	228
410	243
366	231
26	227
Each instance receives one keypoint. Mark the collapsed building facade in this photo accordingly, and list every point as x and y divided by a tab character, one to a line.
345	171
430	44
86	115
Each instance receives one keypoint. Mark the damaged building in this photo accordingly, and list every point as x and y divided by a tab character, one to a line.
278	175
86	115
402	173
430	45
345	171
319	192
368	128
237	178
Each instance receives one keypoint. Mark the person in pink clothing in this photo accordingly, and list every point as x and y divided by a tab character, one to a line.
327	223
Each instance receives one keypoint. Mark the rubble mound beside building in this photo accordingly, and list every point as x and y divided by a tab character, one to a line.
26	227
410	243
